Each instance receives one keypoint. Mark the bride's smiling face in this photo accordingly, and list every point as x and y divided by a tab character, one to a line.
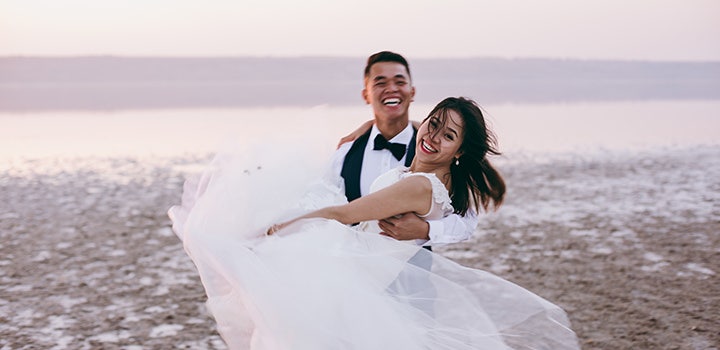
439	137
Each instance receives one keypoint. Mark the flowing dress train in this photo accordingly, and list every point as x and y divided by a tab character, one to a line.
319	284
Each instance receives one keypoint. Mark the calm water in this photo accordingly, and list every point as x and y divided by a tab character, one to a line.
544	128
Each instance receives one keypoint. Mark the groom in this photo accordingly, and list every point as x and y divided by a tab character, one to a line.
389	143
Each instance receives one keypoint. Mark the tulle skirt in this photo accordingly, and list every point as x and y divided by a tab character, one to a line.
319	284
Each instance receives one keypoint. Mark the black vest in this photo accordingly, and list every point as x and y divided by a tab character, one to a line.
352	164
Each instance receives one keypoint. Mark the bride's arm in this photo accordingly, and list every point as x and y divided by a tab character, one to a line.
412	194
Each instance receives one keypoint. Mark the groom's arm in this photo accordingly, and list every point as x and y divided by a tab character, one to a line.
334	168
450	229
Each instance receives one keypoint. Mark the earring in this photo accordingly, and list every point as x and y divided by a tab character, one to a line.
457	161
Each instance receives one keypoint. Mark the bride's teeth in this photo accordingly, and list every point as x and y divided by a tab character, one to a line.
427	147
392	102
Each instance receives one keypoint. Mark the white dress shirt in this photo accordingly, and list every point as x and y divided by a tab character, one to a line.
376	163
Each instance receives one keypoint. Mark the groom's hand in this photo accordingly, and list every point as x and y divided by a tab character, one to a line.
405	227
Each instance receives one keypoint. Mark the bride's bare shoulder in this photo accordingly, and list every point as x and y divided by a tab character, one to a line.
415	184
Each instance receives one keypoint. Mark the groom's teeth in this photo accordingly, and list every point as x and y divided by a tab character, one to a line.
391	102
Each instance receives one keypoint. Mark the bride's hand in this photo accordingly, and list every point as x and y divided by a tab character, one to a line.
356	133
274	228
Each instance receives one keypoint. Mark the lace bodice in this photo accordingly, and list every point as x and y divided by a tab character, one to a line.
441	203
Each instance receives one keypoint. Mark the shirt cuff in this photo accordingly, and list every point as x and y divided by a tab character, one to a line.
437	227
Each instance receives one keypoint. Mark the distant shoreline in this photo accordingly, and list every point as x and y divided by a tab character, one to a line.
109	82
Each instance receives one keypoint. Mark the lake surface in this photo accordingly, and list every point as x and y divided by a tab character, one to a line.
528	128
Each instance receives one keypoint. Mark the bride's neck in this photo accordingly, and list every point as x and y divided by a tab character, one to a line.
442	173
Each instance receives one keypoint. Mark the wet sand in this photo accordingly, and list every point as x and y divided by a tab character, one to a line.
628	243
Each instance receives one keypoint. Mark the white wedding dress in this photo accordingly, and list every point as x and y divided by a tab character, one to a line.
319	284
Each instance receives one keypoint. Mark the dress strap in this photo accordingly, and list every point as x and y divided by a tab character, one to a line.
440	194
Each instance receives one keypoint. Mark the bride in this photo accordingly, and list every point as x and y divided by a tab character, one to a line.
316	282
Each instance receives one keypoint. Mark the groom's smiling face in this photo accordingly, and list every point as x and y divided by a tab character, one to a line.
389	90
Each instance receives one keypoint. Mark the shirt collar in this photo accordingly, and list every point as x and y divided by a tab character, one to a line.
403	137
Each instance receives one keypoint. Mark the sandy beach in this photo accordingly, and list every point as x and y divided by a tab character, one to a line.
628	243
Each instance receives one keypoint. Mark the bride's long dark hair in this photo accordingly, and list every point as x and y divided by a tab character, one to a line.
475	182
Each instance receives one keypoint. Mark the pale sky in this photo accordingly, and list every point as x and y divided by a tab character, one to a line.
660	30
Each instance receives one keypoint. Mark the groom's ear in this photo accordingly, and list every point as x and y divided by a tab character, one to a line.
365	96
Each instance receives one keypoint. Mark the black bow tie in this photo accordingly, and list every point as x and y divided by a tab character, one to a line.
397	149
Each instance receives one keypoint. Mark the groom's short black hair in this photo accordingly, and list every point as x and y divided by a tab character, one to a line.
386	56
